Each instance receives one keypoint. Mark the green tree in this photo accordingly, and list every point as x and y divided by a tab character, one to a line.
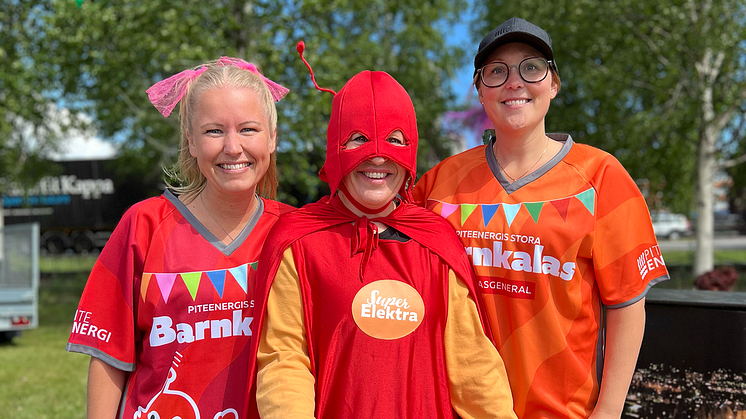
31	123
659	84
107	53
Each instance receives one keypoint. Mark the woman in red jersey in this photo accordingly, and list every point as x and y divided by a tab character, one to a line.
166	313
558	234
366	306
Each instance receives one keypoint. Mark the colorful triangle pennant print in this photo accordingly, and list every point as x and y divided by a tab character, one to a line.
241	274
191	280
588	199
218	280
447	209
466	211
165	283
144	284
254	265
488	211
561	205
534	208
511	210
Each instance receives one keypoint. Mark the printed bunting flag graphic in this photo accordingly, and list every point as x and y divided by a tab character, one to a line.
534	208
561	205
488	211
511	210
218	280
448	209
165	283
191	280
144	284
240	274
466	210
587	198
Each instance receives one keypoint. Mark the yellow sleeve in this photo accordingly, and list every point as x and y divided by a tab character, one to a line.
285	385
477	379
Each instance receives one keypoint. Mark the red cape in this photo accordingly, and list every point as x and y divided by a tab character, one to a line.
420	224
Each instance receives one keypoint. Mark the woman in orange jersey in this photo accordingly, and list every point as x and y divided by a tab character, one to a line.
558	234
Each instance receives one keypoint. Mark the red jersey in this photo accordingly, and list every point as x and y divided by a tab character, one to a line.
171	303
550	251
358	362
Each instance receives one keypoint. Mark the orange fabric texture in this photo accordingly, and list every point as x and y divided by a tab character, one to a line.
569	239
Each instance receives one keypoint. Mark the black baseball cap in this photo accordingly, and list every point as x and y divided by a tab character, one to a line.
514	29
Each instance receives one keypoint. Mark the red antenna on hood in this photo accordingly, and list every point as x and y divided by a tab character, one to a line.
300	48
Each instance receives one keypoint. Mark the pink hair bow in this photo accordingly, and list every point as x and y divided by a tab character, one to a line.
165	94
278	91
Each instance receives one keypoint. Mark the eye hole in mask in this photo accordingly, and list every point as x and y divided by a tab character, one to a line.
356	140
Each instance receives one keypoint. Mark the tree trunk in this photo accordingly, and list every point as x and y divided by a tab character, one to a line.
704	255
708	69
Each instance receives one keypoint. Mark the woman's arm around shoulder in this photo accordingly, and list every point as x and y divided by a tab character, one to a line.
285	384
477	379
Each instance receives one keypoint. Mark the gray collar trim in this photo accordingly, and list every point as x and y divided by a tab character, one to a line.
512	187
226	249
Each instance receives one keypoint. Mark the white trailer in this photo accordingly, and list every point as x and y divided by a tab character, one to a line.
19	279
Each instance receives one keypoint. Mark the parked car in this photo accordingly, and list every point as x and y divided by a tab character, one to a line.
729	224
669	225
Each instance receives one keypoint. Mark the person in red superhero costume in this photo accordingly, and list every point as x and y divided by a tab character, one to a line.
366	302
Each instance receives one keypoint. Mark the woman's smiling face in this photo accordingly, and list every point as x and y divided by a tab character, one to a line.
376	181
231	139
517	105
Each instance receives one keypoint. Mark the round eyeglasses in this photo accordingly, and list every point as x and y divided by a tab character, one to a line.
531	70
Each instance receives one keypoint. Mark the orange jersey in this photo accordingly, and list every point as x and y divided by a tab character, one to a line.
551	251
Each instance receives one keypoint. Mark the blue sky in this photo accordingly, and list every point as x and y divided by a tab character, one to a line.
459	35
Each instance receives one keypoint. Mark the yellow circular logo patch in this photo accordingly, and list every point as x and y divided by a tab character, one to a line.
388	309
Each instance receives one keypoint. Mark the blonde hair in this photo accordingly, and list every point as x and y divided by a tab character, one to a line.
186	172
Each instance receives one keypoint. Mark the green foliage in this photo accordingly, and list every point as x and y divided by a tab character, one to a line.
29	123
106	53
737	193
629	81
63	264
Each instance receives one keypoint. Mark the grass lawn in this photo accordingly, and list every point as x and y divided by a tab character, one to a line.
38	378
679	263
722	257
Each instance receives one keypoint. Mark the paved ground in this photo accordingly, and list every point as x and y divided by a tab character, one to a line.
721	243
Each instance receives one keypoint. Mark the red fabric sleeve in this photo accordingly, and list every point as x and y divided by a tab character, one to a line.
104	321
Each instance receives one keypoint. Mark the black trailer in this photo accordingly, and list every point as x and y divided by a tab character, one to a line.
77	209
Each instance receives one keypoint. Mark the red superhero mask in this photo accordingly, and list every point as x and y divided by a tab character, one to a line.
374	105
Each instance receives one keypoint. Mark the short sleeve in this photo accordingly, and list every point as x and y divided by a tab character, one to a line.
626	256
422	189
103	326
